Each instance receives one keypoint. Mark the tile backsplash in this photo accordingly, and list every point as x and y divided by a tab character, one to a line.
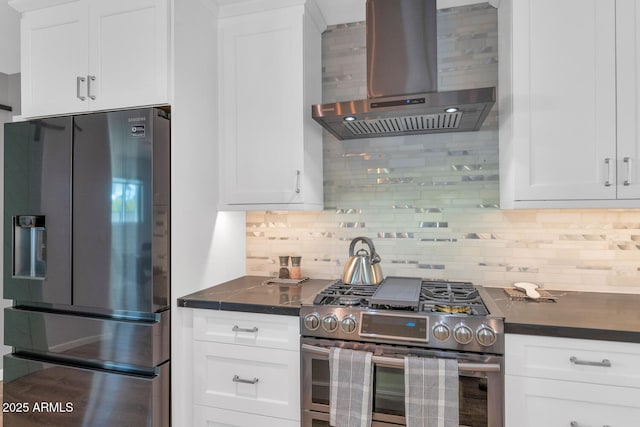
430	202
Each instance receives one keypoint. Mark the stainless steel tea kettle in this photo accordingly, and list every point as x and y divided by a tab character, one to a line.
362	267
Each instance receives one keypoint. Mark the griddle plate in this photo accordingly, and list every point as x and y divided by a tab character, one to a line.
398	292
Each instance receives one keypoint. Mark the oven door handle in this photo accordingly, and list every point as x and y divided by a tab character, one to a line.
396	362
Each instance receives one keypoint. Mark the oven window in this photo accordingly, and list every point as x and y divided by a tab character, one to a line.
320	382
473	401
388	386
388	396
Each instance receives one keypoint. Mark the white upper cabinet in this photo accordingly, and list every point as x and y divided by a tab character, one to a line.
569	89
90	55
628	81
270	75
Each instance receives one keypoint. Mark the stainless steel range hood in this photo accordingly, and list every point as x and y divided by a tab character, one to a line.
402	96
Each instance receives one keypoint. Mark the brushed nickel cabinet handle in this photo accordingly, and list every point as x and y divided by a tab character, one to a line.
89	92
237	379
606	363
627	161
79	81
607	162
237	328
576	424
298	182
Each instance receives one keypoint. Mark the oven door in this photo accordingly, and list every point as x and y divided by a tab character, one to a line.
321	419
481	383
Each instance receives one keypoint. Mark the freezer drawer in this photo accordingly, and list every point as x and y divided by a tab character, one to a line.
37	393
113	343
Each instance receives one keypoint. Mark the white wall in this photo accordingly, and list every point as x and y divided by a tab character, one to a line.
207	248
9	39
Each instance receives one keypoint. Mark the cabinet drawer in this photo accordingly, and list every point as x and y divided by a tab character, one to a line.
213	417
253	329
242	378
573	359
533	402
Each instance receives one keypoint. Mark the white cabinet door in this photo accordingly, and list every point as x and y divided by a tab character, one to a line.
261	381
91	55
270	158
53	56
214	417
247	329
128	53
628	53
562	382
564	99
569	359
534	402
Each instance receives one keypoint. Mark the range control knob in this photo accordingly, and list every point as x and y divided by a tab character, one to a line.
462	333
348	324
485	335
441	332
330	323
311	321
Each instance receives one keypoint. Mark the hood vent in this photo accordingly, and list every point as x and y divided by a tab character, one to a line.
402	96
394	125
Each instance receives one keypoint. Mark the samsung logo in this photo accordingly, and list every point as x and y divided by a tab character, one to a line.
137	119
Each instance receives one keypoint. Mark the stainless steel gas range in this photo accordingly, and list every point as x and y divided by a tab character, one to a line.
406	316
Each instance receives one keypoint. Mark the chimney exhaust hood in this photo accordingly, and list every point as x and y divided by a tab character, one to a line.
402	96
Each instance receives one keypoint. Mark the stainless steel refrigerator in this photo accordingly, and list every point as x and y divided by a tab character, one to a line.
86	263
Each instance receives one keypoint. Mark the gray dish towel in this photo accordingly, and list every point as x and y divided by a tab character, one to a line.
431	392
351	387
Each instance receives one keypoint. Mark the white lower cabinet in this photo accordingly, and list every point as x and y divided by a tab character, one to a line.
562	382
246	369
214	417
536	402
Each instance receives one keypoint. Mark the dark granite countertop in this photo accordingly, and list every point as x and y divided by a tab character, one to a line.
587	315
253	294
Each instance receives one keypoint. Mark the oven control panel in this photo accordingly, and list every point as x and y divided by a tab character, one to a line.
396	327
443	331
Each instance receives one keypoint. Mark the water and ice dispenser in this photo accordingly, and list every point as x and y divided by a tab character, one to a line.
29	246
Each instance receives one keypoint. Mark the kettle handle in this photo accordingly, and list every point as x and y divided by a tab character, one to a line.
375	258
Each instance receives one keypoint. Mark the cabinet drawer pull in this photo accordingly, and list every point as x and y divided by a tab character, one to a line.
608	182
89	91
627	161
576	424
79	81
298	182
237	328
605	362
237	379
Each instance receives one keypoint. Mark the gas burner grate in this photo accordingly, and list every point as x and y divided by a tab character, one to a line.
435	296
454	292
451	297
